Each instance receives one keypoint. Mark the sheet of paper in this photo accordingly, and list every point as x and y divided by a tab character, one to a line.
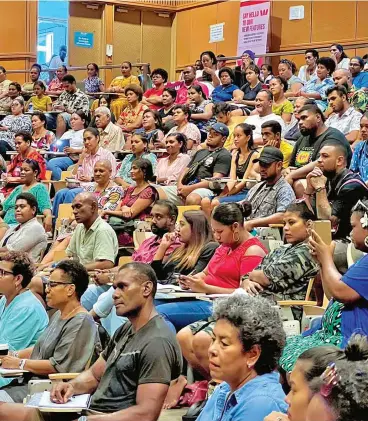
79	401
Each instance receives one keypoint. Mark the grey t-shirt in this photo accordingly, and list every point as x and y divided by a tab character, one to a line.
67	344
150	355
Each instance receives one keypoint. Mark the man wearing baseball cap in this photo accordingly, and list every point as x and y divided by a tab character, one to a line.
273	194
213	162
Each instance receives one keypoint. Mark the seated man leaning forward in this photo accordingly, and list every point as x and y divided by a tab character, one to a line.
94	243
213	162
131	378
272	195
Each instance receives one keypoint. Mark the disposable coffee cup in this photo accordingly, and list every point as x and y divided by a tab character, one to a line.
4	349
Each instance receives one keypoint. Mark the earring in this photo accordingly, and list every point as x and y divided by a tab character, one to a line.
366	241
236	239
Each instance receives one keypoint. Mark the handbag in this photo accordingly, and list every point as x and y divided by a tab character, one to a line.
194	393
119	225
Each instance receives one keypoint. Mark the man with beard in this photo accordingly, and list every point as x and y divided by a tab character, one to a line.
314	134
131	378
332	191
164	215
272	195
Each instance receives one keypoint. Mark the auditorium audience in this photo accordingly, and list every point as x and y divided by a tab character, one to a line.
344	118
244	360
12	124
271	136
111	136
74	138
317	87
39	101
4	83
242	169
287	71
309	70
201	110
358	98
339	57
248	91
70	101
181	87
227	90
139	150
170	168
196	249
220	63
281	106
247	58
136	203
347	310
29	174
23	142
118	85
210	74
130	118
181	117
152	128
34	74
115	390
264	113
314	134
223	113
56	85
93	83
359	162
359	77
239	253
68	343
83	171
23	318
41	137
28	235
14	91
213	162
153	96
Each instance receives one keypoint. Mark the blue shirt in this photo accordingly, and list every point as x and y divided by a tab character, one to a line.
223	93
320	87
361	80
252	402
359	162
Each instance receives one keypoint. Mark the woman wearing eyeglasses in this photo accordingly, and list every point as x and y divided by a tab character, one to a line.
22	316
69	341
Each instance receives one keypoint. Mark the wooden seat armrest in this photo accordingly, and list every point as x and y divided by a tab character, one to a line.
63	376
289	303
276	225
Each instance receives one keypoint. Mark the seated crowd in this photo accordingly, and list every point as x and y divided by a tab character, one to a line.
145	232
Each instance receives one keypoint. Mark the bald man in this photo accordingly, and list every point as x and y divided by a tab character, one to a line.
358	98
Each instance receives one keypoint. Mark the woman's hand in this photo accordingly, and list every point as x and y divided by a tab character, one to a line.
84	178
70	150
47	224
10	362
319	250
209	70
252	288
276	416
195	283
127	212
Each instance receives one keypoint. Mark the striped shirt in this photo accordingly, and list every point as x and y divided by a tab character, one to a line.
89	163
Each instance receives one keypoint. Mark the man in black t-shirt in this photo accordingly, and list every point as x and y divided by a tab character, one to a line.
333	190
314	134
213	162
132	376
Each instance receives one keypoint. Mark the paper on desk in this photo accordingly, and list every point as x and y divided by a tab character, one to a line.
11	371
76	402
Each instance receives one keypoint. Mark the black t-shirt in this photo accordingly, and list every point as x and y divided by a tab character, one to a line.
343	192
217	162
251	93
307	149
150	355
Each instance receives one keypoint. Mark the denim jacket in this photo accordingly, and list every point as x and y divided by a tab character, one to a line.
252	402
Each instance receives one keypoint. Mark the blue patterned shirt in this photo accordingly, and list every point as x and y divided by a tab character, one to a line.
319	87
359	162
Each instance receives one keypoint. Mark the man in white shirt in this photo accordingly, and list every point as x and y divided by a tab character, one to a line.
264	110
111	135
344	117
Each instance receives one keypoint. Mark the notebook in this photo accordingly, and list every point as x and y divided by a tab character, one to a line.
59	145
43	402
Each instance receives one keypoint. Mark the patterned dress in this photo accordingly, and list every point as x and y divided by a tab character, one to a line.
16	123
328	334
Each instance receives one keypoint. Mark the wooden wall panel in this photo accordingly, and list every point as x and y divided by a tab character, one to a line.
183	29
287	33
362	15
156	40
228	12
332	21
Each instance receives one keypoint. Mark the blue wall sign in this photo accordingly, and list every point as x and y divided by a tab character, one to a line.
83	39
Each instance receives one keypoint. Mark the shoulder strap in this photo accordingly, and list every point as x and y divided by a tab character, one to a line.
343	183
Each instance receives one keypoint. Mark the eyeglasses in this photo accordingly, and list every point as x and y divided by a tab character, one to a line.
52	284
354	64
4	272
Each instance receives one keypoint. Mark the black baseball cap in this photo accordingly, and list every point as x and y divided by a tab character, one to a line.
270	154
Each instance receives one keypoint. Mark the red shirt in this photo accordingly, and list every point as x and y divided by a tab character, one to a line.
182	90
153	92
227	266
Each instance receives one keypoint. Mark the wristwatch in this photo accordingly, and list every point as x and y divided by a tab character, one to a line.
22	364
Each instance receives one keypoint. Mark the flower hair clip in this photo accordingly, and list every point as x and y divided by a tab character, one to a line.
330	379
364	220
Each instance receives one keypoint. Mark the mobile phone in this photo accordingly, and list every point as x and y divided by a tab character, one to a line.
323	229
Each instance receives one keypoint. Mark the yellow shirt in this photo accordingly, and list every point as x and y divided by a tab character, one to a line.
40	104
285	107
286	150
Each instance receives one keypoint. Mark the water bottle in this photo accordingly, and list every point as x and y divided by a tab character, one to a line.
30	107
